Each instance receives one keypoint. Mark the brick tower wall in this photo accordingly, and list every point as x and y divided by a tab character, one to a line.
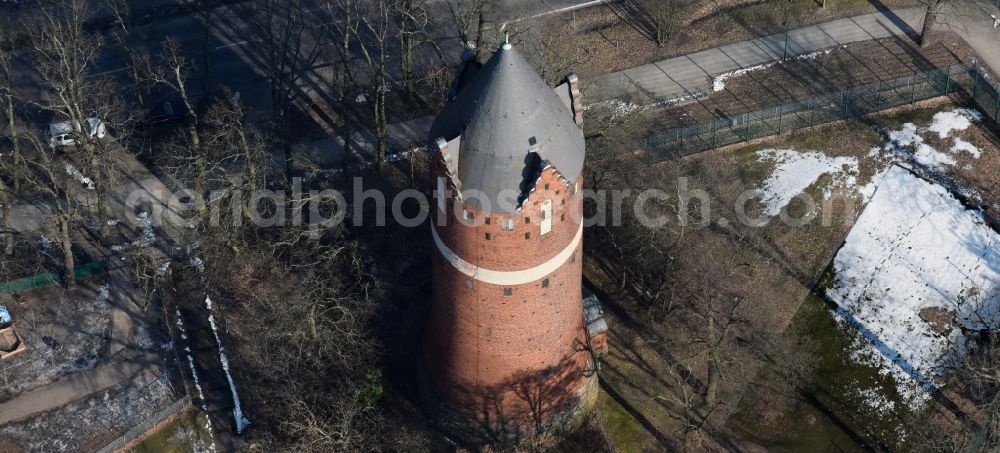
510	358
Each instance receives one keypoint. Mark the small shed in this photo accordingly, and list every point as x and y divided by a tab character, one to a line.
597	326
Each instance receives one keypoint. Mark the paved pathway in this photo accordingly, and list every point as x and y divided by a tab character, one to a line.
691	73
75	386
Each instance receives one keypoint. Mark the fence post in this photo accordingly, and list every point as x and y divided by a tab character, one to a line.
747	133
913	88
812	113
878	97
975	82
996	114
779	119
947	82
845	98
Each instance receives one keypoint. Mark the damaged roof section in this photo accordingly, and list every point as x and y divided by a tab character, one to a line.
504	122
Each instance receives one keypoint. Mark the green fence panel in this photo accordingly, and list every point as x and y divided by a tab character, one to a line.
47	278
89	269
27	283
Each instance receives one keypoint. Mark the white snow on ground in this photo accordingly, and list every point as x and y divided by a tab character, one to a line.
623	108
962	145
956	120
796	170
148	234
197	264
44	242
876	402
75	173
907	142
719	81
915	247
241	421
163	269
194	378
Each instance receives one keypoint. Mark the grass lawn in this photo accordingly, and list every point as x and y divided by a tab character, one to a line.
185	433
627	435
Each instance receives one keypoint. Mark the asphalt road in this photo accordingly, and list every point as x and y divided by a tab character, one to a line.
220	45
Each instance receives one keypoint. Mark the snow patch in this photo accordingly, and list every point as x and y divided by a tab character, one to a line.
194	378
719	81
77	175
964	146
908	143
241	420
796	170
198	265
901	141
956	120
915	267
876	402
148	234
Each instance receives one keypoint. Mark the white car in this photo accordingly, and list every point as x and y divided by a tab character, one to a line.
61	133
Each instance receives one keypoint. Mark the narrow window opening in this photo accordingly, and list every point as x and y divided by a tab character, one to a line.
487	236
468	283
507	292
545	283
527	235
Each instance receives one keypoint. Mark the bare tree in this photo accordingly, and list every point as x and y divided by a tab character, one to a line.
663	16
471	18
934	8
368	27
65	56
172	70
285	34
411	26
7	96
50	181
951	13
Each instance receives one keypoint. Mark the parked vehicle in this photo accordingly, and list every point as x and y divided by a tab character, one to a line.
5	319
61	133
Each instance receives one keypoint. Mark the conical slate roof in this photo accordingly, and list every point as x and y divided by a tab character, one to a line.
509	121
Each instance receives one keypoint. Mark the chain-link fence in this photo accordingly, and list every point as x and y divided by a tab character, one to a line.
146	425
853	103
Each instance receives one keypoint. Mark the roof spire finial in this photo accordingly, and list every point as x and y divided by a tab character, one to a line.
506	41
